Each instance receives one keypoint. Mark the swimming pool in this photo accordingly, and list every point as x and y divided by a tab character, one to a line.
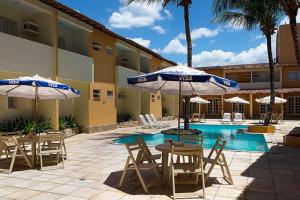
235	141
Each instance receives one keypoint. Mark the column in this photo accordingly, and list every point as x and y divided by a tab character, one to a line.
251	106
222	105
281	106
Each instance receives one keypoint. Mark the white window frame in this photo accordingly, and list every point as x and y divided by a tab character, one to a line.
213	107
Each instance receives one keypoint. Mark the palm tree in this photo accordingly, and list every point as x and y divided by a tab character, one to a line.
251	14
290	8
185	4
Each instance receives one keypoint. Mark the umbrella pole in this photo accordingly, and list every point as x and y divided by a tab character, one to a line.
178	125
35	105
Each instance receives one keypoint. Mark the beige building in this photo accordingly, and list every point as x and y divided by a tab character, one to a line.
47	38
254	83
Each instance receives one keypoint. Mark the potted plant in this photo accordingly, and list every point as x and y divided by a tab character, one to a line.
69	125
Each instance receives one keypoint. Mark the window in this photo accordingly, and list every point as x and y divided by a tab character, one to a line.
11	103
109	51
264	108
158	97
121	95
194	108
294	75
213	106
264	76
61	42
238	107
294	105
8	26
97	46
153	98
96	95
110	94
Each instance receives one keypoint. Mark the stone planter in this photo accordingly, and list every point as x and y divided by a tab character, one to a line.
128	124
261	129
70	132
292	141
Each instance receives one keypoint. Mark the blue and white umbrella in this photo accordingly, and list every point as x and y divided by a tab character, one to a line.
36	87
190	80
182	80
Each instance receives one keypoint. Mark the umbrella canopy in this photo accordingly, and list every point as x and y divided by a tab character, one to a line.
190	80
237	100
266	100
36	87
199	100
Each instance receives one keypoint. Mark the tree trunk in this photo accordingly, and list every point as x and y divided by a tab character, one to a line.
293	27
271	66
189	62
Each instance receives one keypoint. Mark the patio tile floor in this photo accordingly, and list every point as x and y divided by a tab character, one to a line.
94	167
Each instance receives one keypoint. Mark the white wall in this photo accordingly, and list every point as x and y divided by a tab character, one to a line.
123	74
21	55
75	66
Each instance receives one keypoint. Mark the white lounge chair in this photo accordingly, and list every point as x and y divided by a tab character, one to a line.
163	124
238	118
152	123
226	118
202	118
145	124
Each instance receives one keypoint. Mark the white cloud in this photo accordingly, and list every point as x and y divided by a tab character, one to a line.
159	29
257	54
137	14
168	14
201	32
141	41
174	47
233	27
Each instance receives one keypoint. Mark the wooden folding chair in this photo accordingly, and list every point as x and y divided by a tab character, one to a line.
191	139
63	144
10	147
55	146
218	159
146	153
137	164
195	167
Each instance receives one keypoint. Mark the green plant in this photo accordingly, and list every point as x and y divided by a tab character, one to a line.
165	112
10	125
70	121
124	117
41	124
27	127
62	123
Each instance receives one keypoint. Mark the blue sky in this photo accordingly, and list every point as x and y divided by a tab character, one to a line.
162	30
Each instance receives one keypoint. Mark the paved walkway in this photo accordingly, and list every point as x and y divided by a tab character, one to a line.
94	166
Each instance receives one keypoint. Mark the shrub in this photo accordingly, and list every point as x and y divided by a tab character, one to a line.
41	124
67	121
10	125
165	112
124	117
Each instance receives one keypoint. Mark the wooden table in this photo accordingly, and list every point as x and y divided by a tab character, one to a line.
166	149
32	140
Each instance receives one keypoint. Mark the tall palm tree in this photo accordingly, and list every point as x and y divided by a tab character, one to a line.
185	4
290	8
251	14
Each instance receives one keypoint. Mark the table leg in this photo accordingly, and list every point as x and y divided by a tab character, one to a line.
165	158
33	145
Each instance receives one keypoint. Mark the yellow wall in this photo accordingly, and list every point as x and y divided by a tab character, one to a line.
285	45
102	112
155	105
131	104
169	102
104	64
78	107
145	103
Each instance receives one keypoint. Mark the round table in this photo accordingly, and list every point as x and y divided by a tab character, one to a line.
166	149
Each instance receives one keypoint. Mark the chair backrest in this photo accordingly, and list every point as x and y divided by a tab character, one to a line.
153	118
193	139
203	115
133	147
238	116
143	120
149	119
217	149
146	153
183	151
227	116
53	137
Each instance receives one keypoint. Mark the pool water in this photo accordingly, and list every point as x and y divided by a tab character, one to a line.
235	141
